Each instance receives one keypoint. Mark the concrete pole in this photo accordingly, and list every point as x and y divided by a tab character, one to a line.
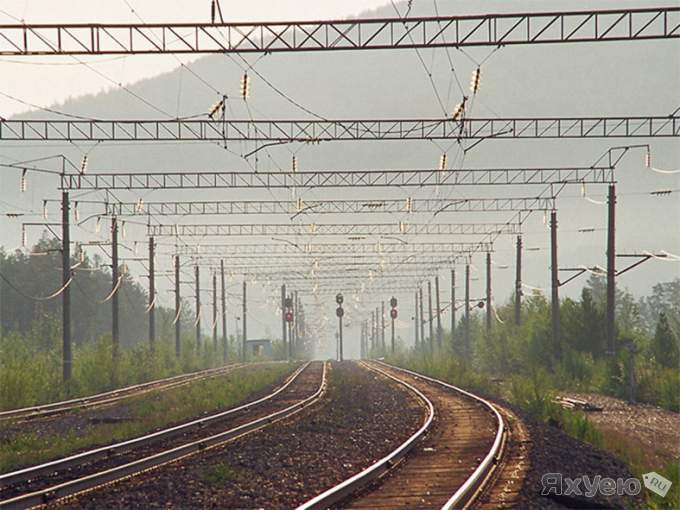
115	323
152	293
439	316
518	282
67	358
245	322
610	325
488	292
284	328
453	304
198	307
225	351
429	311
422	319
178	304
466	332
415	320
554	287
214	310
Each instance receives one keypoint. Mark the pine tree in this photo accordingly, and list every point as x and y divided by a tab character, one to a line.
665	345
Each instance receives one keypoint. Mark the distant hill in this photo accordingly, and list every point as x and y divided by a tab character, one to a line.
574	79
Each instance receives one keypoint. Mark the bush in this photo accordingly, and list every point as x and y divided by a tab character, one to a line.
31	372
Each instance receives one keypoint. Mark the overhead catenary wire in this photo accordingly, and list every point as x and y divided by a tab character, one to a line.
55	294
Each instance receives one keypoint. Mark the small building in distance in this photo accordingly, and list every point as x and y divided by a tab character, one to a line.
259	347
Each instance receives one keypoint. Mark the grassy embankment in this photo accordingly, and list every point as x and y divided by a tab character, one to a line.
140	415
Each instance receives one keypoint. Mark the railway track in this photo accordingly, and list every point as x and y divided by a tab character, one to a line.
111	397
89	470
445	464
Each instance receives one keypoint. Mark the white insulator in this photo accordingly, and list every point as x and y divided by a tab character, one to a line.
458	111
98	225
648	159
24	236
475	80
83	164
45	209
22	183
76	212
442	162
245	86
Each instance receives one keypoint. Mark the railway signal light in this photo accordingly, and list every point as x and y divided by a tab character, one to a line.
339	299
288	303
289	316
393	313
339	311
393	302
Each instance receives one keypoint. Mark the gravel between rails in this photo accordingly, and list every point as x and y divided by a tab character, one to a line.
305	384
362	418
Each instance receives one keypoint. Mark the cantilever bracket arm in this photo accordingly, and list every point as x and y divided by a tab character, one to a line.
578	271
643	257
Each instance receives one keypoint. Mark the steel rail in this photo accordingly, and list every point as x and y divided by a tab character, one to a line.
74	487
108	450
114	395
376	470
468	489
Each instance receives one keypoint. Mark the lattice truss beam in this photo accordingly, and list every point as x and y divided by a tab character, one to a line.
415	205
320	249
334	229
354	34
337	178
338	130
324	263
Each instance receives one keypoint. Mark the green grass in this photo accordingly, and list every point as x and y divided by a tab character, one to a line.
30	373
219	474
144	414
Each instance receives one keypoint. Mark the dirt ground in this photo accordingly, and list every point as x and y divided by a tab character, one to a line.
656	429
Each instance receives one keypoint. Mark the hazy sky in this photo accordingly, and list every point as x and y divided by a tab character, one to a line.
68	78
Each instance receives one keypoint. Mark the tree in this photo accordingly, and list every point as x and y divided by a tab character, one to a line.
593	324
665	345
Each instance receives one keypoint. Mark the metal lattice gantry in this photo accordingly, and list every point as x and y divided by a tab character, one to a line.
310	249
337	178
312	131
299	207
352	34
323	263
331	229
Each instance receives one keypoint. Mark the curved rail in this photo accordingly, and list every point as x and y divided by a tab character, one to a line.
103	452
469	488
109	397
117	473
465	493
376	470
